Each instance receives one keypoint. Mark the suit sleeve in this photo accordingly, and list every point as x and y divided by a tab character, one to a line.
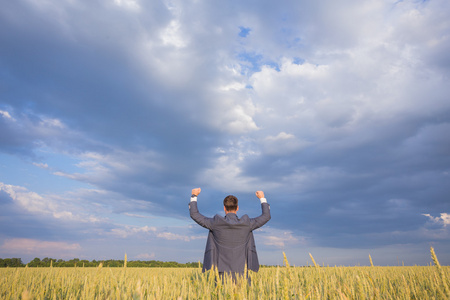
263	218
198	217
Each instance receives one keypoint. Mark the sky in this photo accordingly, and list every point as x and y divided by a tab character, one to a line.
112	111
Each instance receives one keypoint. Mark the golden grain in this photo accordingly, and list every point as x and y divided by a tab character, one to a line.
374	282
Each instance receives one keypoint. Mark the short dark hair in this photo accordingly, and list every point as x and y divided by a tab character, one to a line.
231	203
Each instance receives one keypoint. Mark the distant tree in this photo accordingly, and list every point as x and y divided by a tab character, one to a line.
76	262
11	262
16	262
46	262
36	262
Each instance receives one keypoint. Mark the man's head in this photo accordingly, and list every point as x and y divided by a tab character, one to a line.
230	204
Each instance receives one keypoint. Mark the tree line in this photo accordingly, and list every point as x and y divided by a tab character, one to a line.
51	262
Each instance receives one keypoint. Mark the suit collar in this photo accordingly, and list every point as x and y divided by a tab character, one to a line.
231	216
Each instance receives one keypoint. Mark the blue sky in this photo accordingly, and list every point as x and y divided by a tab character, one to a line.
112	111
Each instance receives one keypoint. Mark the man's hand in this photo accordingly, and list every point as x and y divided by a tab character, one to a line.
260	194
196	191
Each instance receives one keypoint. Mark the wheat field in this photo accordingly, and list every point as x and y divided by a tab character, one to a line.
415	282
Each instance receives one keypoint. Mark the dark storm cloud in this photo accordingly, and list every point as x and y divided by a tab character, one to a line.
81	75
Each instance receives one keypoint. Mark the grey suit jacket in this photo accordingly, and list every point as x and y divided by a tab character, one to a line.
230	245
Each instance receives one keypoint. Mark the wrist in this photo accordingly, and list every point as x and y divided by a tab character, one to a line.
193	197
263	200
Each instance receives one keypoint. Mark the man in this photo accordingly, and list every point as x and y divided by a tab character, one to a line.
230	246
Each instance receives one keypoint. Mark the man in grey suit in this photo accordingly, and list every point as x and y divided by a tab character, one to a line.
230	245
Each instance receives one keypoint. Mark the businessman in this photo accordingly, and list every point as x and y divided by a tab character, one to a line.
230	246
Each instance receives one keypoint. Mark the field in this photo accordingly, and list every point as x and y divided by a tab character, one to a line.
417	282
270	283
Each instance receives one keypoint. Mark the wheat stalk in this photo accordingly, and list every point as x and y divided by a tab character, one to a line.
314	262
285	260
441	272
434	258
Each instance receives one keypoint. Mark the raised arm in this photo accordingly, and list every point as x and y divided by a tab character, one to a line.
265	216
195	214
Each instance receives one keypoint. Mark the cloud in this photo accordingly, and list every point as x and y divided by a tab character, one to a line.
278	238
173	36
6	115
283	143
21	246
172	236
443	220
102	168
126	231
41	165
146	256
137	216
45	206
128	4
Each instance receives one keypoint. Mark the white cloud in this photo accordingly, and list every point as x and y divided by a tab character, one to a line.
172	35
233	86
105	169
138	216
146	256
343	92
6	115
278	238
283	143
229	111
127	230
18	246
48	123
41	165
128	4
443	220
55	206
283	93
226	172
237	120
173	236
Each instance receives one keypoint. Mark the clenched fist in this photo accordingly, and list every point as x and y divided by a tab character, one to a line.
196	191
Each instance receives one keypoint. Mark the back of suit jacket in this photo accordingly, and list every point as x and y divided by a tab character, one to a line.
230	245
